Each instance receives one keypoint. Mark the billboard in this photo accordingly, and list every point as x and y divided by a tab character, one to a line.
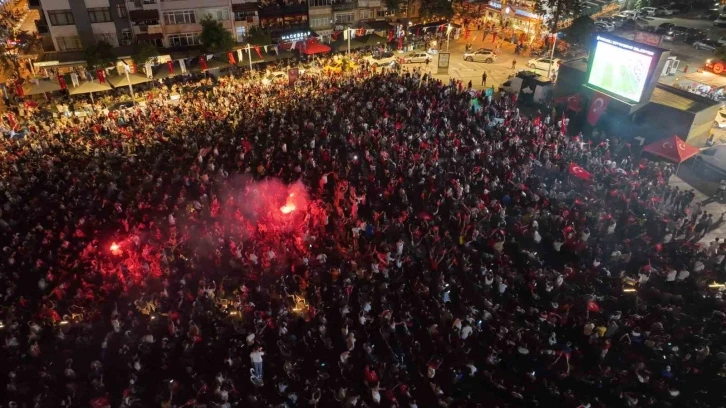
645	37
622	68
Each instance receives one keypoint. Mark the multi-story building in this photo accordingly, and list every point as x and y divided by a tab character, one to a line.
326	15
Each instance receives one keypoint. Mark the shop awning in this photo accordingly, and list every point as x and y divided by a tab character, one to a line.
118	81
672	148
88	87
213	63
41	87
313	48
377	25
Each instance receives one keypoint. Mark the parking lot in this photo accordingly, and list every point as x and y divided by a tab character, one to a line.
685	52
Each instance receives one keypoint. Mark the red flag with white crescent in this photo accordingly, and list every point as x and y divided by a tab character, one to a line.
579	172
597	107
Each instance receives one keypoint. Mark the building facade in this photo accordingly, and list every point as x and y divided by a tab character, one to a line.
72	25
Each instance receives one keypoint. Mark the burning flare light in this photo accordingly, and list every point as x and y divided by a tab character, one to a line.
289	205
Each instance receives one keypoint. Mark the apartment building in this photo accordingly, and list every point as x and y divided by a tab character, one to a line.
338	14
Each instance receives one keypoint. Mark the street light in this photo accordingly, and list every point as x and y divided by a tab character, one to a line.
552	55
349	31
127	69
448	36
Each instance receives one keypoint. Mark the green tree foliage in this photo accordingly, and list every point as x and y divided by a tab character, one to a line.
436	9
215	38
259	36
144	52
393	4
580	31
558	10
99	56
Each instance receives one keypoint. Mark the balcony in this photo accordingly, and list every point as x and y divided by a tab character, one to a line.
369	3
277	10
34	4
344	5
138	16
42	27
141	5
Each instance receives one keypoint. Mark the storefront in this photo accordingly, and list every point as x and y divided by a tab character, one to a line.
513	17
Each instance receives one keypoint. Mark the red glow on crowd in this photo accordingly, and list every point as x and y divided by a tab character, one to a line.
287	209
114	248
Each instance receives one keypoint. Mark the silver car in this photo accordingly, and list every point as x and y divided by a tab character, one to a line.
481	56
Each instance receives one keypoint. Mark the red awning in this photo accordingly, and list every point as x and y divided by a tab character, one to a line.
673	149
314	48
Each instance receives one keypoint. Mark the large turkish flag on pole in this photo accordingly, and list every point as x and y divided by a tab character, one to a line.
597	107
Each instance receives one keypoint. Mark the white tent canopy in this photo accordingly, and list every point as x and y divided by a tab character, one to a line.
118	81
89	87
41	87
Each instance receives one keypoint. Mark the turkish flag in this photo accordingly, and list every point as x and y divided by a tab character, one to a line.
592	306
230	57
62	82
579	172
203	62
101	75
400	43
390	35
170	65
597	107
133	68
19	89
573	102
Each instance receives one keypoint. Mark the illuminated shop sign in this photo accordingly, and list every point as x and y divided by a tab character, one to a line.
295	36
495	5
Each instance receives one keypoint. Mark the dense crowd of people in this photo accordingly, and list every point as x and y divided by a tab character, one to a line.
447	256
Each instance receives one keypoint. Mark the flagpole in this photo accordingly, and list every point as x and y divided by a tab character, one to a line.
552	55
349	32
249	54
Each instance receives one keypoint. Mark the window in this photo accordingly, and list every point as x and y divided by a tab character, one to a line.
126	34
61	17
121	10
365	14
384	13
217	14
244	15
179	17
108	37
403	9
69	43
320	22
319	3
344	18
99	15
184	40
241	33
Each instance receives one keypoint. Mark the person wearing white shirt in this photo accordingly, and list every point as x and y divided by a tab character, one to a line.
256	357
466	331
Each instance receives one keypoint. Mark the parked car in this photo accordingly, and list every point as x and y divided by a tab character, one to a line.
708	45
677	33
664	28
721	41
481	56
604	26
631	14
648	10
619	20
416	57
720	22
663	11
680	8
720	121
694	34
381	60
543	63
711	14
615	21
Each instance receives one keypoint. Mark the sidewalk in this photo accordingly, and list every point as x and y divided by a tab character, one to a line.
704	189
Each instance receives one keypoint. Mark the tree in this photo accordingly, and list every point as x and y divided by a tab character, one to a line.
580	30
144	52
557	9
215	38
99	56
259	36
393	4
436	9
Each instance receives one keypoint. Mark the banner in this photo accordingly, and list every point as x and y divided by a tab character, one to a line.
62	82
101	75
183	65
597	107
134	68
170	65
573	102
203	62
230	58
400	43
239	55
390	35
292	76
75	80
257	50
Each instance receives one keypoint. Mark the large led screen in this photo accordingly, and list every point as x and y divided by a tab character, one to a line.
620	69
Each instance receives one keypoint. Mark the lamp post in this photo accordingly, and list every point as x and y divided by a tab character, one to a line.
128	79
349	32
448	36
552	55
249	54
